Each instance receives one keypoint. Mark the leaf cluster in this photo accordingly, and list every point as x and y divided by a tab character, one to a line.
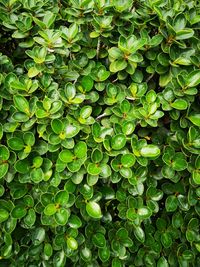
99	133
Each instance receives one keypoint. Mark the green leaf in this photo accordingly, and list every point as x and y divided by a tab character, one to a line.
168	172
93	168
184	34
104	254
87	83
37	161
105	170
116	262
75	165
126	172
70	91
48	250
115	53
195	118
59	259
38	236
72	243
86	254
162	262
18	212
16	143
97	155
179	22
4	214
66	156
3	169
30	218
118	65
193	79
144	212
93	209
40	113
29	138
177	220
166	239
57	126
61	216
118	141
71	130
150	151
94	34
21	104
50	209
196	177
128	160
164	79
80	150
32	72
156	40
74	221
62	197
179	163
72	32
2	190
171	203
180	104
37	175
16	84
139	234
22	166
4	153
131	214
122	233
49	18
99	240
85	112
20	117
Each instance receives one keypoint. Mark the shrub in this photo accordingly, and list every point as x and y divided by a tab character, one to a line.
100	133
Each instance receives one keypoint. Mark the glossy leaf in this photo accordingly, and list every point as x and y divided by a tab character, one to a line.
93	209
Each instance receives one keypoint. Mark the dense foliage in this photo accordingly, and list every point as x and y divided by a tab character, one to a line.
100	133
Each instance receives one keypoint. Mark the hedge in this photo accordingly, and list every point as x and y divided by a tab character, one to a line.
100	133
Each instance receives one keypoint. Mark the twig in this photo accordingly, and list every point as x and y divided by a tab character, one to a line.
149	78
98	47
101	116
115	80
130	98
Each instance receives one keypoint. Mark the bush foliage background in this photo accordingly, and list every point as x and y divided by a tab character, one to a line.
100	137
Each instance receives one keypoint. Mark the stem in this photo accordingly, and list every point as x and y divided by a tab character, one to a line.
115	80
149	78
101	116
130	98
98	47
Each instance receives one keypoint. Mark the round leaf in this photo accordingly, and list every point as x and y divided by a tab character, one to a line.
93	209
16	143
72	243
118	141
128	160
62	197
150	151
61	216
4	214
180	104
66	156
171	203
80	149
50	209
